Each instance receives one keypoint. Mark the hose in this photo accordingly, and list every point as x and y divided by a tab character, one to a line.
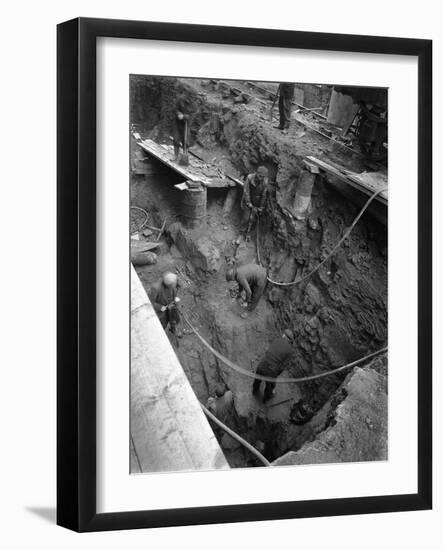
146	218
345	235
279	380
252	449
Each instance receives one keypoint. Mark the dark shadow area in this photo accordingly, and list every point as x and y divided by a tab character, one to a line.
46	513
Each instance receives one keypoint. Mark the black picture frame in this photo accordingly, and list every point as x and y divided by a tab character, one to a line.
76	278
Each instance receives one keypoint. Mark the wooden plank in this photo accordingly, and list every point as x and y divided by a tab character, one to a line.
299	105
331	138
197	171
366	182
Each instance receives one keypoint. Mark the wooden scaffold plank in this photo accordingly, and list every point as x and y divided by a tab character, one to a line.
366	182
197	171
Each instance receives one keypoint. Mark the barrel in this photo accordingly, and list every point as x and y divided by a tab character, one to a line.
194	206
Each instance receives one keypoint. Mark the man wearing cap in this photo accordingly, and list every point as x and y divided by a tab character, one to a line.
273	363
163	296
255	195
252	279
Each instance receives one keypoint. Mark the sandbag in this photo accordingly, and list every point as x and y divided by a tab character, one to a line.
143	257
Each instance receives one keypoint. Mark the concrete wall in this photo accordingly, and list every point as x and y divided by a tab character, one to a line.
169	431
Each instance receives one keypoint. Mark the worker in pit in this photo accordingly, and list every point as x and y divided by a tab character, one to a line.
274	363
255	196
286	97
221	405
163	296
181	125
252	279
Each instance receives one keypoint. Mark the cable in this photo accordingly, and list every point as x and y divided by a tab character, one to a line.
278	380
346	234
252	449
145	213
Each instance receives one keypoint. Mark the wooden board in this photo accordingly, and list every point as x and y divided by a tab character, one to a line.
366	182
197	171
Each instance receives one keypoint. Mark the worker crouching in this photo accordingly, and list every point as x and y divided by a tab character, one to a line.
252	279
164	298
222	404
273	364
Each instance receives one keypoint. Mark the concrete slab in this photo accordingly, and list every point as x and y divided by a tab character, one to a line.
168	428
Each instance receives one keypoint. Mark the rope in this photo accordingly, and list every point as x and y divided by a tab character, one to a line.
245	372
252	449
145	213
280	379
346	234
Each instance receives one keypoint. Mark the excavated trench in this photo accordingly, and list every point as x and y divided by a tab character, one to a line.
337	316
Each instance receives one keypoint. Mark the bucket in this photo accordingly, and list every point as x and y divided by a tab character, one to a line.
194	206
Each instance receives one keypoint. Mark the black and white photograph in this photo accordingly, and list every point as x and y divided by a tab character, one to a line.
259	273
225	325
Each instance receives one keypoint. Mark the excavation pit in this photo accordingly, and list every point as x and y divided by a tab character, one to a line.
337	316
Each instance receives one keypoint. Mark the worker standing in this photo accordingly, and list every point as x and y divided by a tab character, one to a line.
274	363
255	196
252	279
163	296
181	125
287	90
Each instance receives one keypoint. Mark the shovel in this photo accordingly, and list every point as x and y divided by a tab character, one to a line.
249	225
184	157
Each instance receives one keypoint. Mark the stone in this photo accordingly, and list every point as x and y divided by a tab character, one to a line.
313	224
355	430
143	258
313	294
197	246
